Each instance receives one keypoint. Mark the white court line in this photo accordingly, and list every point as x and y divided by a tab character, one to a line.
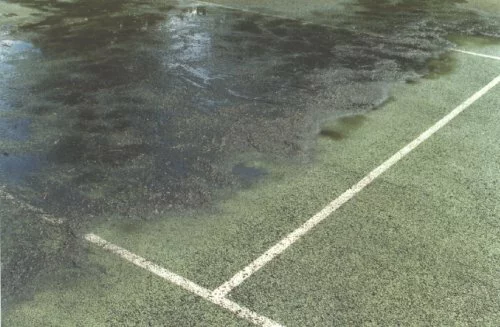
211	4
298	20
24	205
476	54
305	22
186	284
291	238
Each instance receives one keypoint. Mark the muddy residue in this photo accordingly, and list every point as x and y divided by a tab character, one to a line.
341	127
160	100
141	108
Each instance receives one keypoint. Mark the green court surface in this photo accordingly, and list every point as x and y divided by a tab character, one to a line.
419	246
122	296
210	249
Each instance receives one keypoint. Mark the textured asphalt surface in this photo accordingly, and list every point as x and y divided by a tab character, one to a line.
189	185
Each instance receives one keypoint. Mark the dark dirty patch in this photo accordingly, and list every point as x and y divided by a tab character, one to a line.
329	133
247	26
11	47
130	227
4	106
14	169
342	126
89	176
41	109
248	174
87	113
32	249
78	150
412	81
71	149
15	129
353	121
443	65
143	104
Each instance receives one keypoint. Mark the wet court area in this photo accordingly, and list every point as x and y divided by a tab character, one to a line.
234	163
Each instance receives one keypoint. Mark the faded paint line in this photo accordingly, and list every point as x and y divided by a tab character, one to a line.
24	205
216	5
476	54
291	238
186	284
294	19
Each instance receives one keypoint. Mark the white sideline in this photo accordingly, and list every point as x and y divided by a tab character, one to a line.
305	22
291	238
476	54
216	5
256	12
186	284
24	205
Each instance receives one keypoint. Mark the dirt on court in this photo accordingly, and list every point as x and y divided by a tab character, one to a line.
137	109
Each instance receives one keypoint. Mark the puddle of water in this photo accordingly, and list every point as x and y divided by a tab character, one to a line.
14	169
332	134
11	51
139	107
15	129
248	174
176	91
4	105
14	47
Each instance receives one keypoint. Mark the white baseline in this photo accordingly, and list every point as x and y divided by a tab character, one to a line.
186	284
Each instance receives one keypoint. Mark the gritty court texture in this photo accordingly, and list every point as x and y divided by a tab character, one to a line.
402	228
219	296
